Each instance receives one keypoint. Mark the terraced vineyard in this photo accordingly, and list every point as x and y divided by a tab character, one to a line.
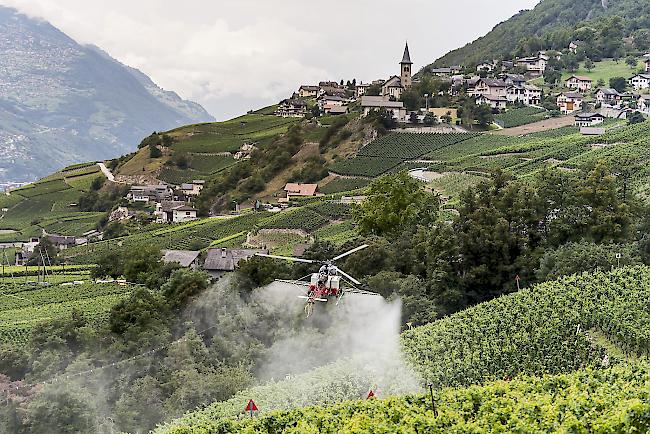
386	153
199	167
195	235
520	116
25	305
340	185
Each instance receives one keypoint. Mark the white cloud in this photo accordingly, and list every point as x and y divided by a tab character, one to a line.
231	56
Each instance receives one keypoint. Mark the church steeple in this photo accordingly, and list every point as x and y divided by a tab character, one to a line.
406	59
405	75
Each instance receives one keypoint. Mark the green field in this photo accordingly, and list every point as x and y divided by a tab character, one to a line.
50	204
554	328
25	305
520	116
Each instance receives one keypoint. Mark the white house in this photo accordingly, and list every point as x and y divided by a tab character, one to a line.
174	212
588	119
485	66
291	108
574	45
514	79
149	193
647	63
640	81
536	64
569	102
579	83
361	89
374	103
643	104
498	102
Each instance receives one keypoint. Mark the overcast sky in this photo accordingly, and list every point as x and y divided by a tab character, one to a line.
232	56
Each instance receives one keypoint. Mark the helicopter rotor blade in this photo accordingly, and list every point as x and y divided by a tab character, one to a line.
347	276
350	252
286	258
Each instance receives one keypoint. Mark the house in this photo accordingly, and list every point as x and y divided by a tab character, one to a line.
639	81
643	104
574	45
533	95
569	102
221	261
150	193
361	89
496	102
507	65
291	108
588	119
331	101
536	64
592	131
490	86
393	88
647	64
337	110
174	212
526	94
62	242
608	97
441	72
514	79
185	258
485	66
374	103
194	188
308	91
579	83
300	190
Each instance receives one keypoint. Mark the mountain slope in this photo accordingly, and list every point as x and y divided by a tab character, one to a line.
549	16
61	102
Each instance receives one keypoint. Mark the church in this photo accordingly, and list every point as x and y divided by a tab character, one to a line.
394	86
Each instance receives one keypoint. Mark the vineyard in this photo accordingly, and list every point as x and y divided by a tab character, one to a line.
25	305
520	116
199	167
341	185
607	401
195	235
388	152
553	328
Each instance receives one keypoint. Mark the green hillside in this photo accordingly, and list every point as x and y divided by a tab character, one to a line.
557	327
50	204
552	25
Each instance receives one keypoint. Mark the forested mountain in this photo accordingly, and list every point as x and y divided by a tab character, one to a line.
552	24
61	102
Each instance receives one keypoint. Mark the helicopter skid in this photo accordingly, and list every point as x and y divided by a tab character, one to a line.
304	297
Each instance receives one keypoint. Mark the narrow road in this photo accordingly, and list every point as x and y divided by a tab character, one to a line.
106	172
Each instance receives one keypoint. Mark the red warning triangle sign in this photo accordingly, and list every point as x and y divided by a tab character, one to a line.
371	394
251	406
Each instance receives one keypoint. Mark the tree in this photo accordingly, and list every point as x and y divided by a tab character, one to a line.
61	410
483	115
182	285
142	264
154	152
642	39
373	90
45	253
140	408
618	83
600	83
589	64
109	265
413	118
446	118
570	62
552	76
396	203
635	118
430	120
632	62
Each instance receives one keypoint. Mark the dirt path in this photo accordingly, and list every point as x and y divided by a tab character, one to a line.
535	127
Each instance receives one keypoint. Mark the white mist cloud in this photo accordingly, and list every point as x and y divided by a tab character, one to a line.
231	56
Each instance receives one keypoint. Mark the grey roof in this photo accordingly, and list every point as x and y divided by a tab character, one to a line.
491	82
492	98
169	205
515	77
646	76
406	59
572	95
589	115
339	109
227	259
62	240
378	101
184	257
187	186
609	91
184	208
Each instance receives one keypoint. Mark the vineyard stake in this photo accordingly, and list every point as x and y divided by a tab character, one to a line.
433	401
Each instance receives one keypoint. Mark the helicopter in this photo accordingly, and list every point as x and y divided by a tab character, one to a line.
326	284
